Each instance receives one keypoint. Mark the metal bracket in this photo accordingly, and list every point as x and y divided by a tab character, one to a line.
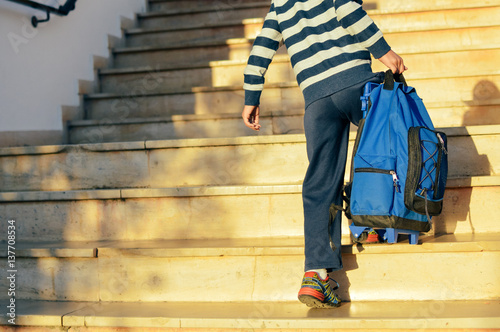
63	10
35	20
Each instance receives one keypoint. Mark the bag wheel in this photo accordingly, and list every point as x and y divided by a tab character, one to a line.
362	238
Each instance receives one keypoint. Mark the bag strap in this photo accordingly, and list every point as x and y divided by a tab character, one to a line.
429	220
390	78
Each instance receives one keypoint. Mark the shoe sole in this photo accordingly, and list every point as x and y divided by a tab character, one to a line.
313	302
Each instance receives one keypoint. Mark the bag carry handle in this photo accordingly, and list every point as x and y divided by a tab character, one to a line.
390	78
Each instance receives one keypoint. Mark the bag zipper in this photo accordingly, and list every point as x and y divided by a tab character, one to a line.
438	166
395	178
441	140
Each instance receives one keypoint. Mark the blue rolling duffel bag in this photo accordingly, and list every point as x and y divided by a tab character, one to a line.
400	165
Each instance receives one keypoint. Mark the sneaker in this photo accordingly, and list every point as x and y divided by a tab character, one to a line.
373	237
317	293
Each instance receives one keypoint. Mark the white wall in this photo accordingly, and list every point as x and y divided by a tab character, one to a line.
40	68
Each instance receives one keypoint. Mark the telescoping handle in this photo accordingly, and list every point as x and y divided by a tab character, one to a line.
390	78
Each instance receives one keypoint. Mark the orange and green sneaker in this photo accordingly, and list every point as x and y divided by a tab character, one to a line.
373	237
317	293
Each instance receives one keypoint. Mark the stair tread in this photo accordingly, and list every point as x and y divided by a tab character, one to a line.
204	9
211	8
293	315
183	117
200	142
249	41
376	14
219	24
245	247
278	58
182	45
199	191
289	84
226	116
403	10
134	31
169	67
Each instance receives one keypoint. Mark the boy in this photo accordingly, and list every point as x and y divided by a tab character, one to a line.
329	43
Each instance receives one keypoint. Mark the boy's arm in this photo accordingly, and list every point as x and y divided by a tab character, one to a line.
265	46
356	22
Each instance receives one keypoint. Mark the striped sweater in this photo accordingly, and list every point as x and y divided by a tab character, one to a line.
329	43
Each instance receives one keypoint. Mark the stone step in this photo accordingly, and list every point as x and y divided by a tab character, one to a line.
227	29
425	18
205	14
187	54
182	54
446	40
435	18
419	5
198	162
211	212
401	316
443	88
160	271
426	40
164	5
168	78
220	30
187	127
396	22
231	125
169	5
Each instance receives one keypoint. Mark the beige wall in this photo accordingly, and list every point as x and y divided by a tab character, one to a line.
43	70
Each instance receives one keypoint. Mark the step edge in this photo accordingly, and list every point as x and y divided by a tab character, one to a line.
202	9
215	25
371	12
278	58
198	191
249	41
251	21
181	118
159	248
180	46
70	313
200	65
208	142
386	31
281	85
43	252
76	124
339	323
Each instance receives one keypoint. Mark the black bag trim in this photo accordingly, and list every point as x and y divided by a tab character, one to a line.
390	78
413	201
391	222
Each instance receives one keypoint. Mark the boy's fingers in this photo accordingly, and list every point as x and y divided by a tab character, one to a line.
250	117
402	67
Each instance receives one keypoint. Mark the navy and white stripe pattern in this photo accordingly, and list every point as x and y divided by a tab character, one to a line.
329	43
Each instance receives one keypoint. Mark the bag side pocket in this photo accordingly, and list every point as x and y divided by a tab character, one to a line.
427	171
373	185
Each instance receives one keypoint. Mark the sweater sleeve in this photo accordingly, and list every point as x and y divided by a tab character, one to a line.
265	46
356	21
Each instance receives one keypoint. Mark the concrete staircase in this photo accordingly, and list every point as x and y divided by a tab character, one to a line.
167	214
